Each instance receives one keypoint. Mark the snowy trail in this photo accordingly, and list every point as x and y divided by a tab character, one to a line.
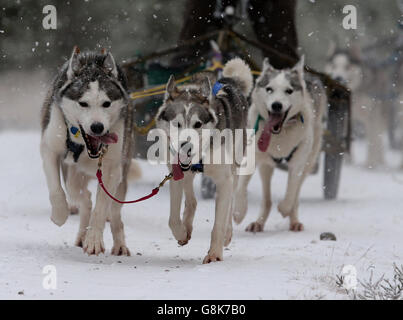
367	220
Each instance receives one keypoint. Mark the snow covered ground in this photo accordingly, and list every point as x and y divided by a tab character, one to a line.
367	220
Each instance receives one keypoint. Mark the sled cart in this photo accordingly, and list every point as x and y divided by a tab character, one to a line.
148	75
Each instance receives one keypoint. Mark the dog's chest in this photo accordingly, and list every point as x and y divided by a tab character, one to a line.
84	164
281	145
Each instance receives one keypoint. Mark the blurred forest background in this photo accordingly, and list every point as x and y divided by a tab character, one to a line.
130	27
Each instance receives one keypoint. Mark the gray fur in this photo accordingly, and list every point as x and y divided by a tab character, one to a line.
230	107
294	80
89	66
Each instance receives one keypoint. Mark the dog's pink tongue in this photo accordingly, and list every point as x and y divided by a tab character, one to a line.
264	140
177	172
109	138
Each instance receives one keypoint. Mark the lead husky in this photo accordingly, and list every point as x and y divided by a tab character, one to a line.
194	106
86	109
286	113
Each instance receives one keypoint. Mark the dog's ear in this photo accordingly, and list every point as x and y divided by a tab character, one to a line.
74	63
205	88
267	67
171	91
299	66
110	65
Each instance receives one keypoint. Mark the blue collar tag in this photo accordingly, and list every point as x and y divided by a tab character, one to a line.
75	131
217	87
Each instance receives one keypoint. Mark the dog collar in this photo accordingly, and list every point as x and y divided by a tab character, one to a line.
217	87
199	167
298	115
195	168
256	127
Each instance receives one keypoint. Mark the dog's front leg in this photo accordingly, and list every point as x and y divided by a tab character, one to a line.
79	197
117	228
223	179
175	223
57	197
241	198
266	173
297	172
94	244
190	206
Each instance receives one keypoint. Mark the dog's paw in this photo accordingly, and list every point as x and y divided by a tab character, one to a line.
254	227
212	258
73	210
60	209
181	234
80	239
93	243
185	242
120	250
285	208
296	226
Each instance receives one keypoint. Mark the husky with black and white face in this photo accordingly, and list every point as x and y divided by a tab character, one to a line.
286	113
86	109
345	69
194	106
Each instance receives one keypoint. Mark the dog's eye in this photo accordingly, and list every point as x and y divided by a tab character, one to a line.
269	90
197	125
289	91
83	104
106	104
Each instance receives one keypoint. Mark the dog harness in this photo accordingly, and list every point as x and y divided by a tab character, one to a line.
217	87
285	159
196	168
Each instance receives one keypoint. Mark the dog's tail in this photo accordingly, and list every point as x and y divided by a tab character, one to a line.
135	171
237	68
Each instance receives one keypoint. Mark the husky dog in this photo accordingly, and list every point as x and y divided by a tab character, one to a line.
286	113
199	106
86	109
347	67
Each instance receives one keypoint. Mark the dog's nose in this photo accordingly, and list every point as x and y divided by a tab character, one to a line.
97	127
277	107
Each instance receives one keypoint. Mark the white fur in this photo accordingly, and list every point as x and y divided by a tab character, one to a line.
237	68
307	136
78	174
95	112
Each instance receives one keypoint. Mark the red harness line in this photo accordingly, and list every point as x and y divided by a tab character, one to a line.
152	194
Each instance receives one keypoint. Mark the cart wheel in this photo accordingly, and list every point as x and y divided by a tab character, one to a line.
207	188
338	127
